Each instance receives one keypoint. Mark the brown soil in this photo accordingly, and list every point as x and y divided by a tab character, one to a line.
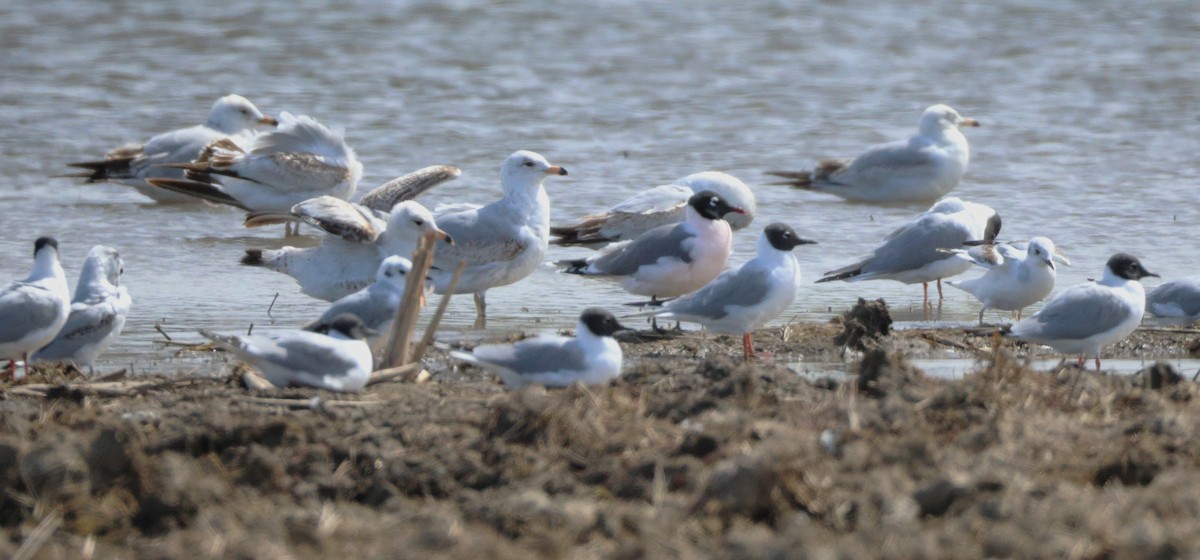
689	454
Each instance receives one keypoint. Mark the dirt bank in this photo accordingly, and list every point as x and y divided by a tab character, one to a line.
693	455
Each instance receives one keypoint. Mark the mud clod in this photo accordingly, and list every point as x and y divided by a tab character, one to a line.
866	321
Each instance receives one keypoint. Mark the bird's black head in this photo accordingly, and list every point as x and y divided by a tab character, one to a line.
783	237
350	326
992	229
710	205
1128	267
600	322
44	241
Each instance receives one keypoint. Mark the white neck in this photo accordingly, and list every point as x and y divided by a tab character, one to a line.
45	265
1111	279
93	281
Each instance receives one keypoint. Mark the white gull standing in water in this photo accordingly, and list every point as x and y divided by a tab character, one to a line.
132	164
924	167
33	310
1018	275
98	311
917	251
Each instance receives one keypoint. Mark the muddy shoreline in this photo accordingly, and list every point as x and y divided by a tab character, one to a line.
690	453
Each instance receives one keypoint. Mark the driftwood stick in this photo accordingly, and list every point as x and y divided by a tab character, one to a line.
396	353
427	339
404	371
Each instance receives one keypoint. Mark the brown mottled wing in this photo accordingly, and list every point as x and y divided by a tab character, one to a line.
337	217
408	187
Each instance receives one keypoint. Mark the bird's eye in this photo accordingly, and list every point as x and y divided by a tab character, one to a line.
712	202
528	164
401	272
419	222
122	271
245	111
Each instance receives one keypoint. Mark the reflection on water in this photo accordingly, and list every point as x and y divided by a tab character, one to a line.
1089	132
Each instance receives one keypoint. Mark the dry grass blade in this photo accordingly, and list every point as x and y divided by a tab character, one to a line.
427	339
305	403
396	352
402	372
38	537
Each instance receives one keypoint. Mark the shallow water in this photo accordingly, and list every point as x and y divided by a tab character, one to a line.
1089	136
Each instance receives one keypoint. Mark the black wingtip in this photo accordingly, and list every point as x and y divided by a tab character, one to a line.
575	266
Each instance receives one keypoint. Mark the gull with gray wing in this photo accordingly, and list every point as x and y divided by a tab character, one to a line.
1086	317
33	310
745	298
98	312
376	304
593	356
1177	298
1019	275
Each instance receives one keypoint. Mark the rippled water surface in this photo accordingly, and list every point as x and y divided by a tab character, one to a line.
1090	117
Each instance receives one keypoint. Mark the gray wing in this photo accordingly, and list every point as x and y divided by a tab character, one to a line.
408	187
918	245
887	162
480	236
87	324
669	241
374	308
1077	313
536	355
1183	293
663	198
298	352
743	287
23	308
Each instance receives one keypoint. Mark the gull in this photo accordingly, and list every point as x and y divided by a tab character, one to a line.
33	310
338	361
1177	298
1018	275
669	260
299	160
1088	316
655	207
915	252
924	167
501	242
132	164
358	236
374	305
98	311
592	357
745	298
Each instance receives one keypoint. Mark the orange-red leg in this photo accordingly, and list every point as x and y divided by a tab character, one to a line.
747	347
939	282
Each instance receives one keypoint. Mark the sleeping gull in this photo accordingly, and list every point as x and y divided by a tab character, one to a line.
501	242
592	357
358	236
1088	316
272	171
132	164
745	298
924	167
916	251
374	305
1177	298
338	361
669	260
1019	275
33	309
98	311
654	207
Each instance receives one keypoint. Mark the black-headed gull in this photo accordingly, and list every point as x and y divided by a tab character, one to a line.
655	207
1086	317
338	361
1019	274
745	298
298	160
670	260
501	242
132	164
1177	298
33	310
593	356
924	167
917	251
98	311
